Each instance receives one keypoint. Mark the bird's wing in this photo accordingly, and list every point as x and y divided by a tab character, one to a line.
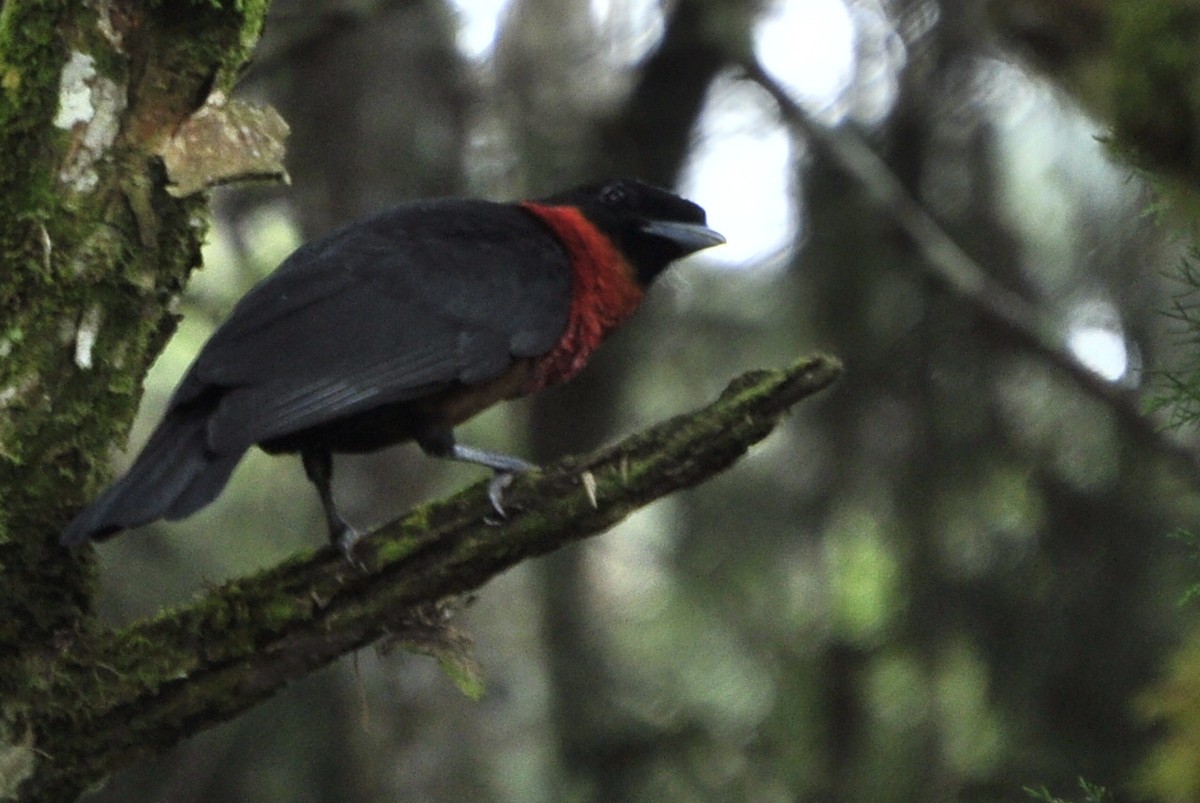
406	304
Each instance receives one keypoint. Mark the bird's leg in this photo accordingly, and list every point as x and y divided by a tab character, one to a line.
318	465
442	444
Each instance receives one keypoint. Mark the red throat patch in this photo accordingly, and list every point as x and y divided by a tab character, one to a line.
604	293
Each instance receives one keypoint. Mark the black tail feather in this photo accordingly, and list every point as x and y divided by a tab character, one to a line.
204	487
174	475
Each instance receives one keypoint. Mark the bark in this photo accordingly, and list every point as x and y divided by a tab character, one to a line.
96	243
95	248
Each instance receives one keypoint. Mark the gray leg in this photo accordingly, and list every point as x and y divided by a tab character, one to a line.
318	465
442	444
504	465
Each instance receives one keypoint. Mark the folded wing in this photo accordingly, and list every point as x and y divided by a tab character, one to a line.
413	302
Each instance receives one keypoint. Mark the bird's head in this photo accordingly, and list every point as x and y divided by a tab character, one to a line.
650	226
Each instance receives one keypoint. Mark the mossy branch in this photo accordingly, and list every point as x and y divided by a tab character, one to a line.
114	696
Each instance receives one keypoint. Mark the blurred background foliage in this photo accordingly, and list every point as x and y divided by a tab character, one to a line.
948	579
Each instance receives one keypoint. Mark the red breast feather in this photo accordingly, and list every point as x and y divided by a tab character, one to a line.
604	293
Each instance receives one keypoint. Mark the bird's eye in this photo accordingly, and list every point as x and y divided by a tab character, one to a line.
613	195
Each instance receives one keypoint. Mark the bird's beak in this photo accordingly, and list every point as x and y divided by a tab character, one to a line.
690	237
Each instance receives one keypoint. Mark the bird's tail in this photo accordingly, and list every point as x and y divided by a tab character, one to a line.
176	474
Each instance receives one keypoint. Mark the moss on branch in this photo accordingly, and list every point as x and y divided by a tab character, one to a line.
114	696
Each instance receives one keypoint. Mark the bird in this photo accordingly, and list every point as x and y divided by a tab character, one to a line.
398	327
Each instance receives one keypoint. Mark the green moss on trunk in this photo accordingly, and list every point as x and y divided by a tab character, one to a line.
93	249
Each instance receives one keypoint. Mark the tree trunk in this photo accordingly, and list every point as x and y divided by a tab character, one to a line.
96	245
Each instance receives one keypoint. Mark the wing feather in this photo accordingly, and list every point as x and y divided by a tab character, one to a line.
399	306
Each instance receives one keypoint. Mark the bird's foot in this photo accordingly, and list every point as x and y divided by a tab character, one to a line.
345	538
505	467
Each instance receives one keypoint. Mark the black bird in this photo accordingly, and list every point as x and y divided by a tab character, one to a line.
399	327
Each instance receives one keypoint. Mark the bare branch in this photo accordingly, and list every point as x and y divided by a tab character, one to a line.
955	269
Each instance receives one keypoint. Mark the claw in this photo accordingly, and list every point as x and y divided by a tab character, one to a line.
495	490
